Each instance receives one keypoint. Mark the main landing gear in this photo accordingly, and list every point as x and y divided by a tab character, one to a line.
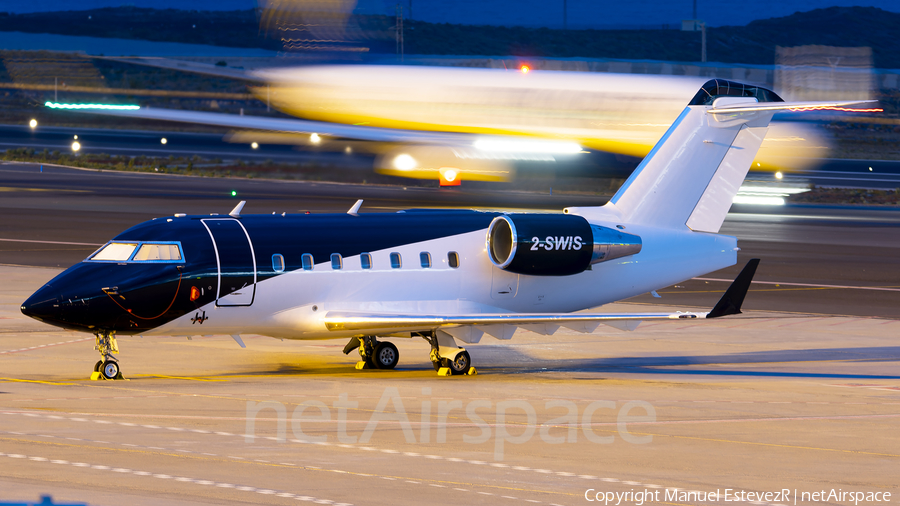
373	354
448	359
108	366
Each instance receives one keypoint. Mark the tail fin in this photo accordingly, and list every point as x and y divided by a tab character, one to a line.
693	173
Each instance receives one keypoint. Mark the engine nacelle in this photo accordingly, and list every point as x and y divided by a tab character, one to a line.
554	244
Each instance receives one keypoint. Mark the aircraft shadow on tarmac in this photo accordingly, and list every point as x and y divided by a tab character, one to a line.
779	358
501	360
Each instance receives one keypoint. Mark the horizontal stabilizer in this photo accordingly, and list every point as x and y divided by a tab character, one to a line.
731	301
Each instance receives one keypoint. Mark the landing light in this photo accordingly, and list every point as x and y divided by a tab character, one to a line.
315	138
33	123
525	69
76	146
163	140
254	145
404	162
779	175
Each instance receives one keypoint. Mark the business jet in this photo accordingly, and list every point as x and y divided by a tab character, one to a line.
444	276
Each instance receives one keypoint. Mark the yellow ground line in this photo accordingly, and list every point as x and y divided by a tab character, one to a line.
192	378
274	464
761	290
35	381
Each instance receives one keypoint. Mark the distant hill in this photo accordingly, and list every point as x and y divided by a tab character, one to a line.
752	44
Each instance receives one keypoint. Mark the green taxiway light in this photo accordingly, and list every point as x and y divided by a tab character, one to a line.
233	193
54	105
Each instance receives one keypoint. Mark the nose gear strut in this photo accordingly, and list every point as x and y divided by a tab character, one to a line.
108	366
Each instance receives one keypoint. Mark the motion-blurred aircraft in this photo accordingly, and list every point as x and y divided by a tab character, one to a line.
449	123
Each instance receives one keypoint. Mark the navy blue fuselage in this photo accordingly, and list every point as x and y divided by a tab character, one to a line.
132	297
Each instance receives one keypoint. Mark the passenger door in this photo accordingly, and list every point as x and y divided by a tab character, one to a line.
236	261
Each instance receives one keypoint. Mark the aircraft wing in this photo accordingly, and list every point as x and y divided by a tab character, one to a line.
493	323
299	126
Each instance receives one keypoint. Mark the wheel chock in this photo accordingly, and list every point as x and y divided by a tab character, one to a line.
362	365
472	372
444	371
97	376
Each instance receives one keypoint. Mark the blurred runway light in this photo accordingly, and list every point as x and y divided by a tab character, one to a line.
76	146
779	175
315	138
254	145
404	162
525	69
33	123
163	141
54	105
765	195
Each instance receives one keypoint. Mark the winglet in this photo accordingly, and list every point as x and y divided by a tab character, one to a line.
236	212
730	303
355	209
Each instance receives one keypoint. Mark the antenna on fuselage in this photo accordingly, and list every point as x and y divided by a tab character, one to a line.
236	212
355	209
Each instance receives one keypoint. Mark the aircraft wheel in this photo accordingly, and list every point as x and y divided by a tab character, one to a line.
460	364
386	355
110	369
98	365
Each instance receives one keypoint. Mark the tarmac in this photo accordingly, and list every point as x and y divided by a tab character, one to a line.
801	393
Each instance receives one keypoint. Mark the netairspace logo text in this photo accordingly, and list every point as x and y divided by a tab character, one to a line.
783	496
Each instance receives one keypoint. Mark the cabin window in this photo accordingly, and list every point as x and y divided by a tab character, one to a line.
115	251
336	261
158	253
307	262
395	261
365	260
277	263
425	259
453	259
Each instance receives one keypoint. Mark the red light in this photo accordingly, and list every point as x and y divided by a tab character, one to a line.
450	176
195	293
525	69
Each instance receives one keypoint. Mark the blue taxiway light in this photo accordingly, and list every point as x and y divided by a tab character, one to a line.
54	105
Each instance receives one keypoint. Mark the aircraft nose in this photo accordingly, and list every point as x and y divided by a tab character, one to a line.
43	304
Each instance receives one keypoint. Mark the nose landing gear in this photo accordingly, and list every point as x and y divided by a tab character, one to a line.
108	367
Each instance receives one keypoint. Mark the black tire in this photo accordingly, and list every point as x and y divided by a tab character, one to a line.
98	365
386	356
460	364
437	365
110	369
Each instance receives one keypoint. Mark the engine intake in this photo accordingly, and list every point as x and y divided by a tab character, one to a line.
554	244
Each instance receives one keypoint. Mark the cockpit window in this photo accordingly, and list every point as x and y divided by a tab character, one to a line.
139	252
115	251
157	252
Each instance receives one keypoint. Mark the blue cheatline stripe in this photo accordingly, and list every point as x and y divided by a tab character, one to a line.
637	172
